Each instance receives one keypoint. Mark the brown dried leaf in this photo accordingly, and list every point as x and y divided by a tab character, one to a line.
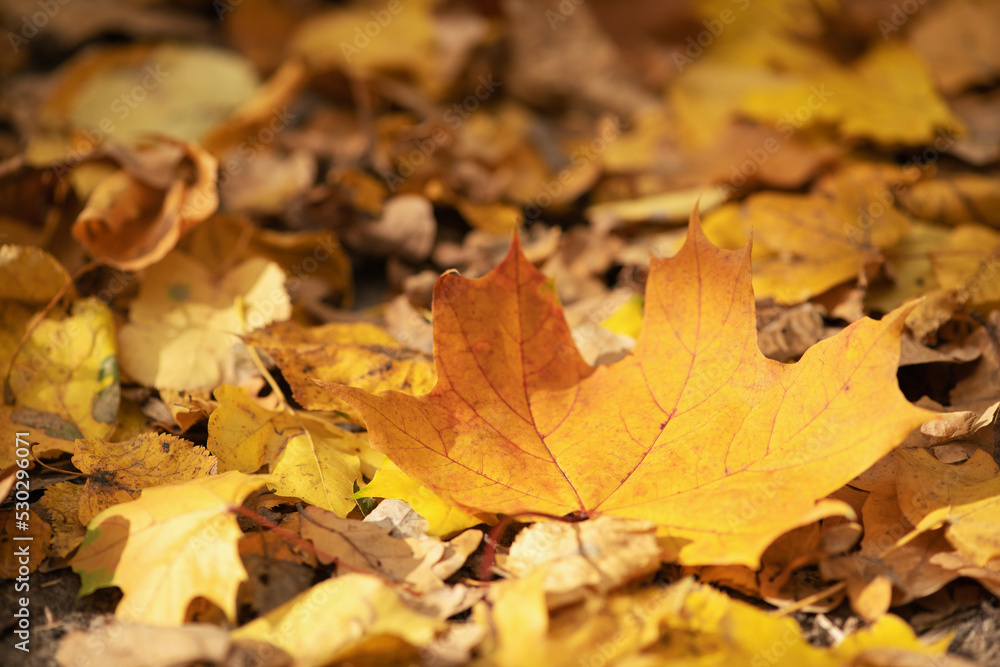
131	224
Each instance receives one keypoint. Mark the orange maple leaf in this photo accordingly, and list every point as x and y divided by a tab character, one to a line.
695	430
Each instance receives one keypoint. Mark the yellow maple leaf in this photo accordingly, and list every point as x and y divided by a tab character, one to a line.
324	623
811	244
761	69
309	457
696	430
886	96
173	544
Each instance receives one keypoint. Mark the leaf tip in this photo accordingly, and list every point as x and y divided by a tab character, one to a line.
696	233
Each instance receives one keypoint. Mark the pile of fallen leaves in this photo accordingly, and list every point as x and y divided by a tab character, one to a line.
418	332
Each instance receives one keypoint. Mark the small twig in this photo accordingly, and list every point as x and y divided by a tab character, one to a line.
255	358
799	605
836	634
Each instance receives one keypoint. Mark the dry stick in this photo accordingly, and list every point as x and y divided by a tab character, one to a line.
259	365
808	600
8	392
